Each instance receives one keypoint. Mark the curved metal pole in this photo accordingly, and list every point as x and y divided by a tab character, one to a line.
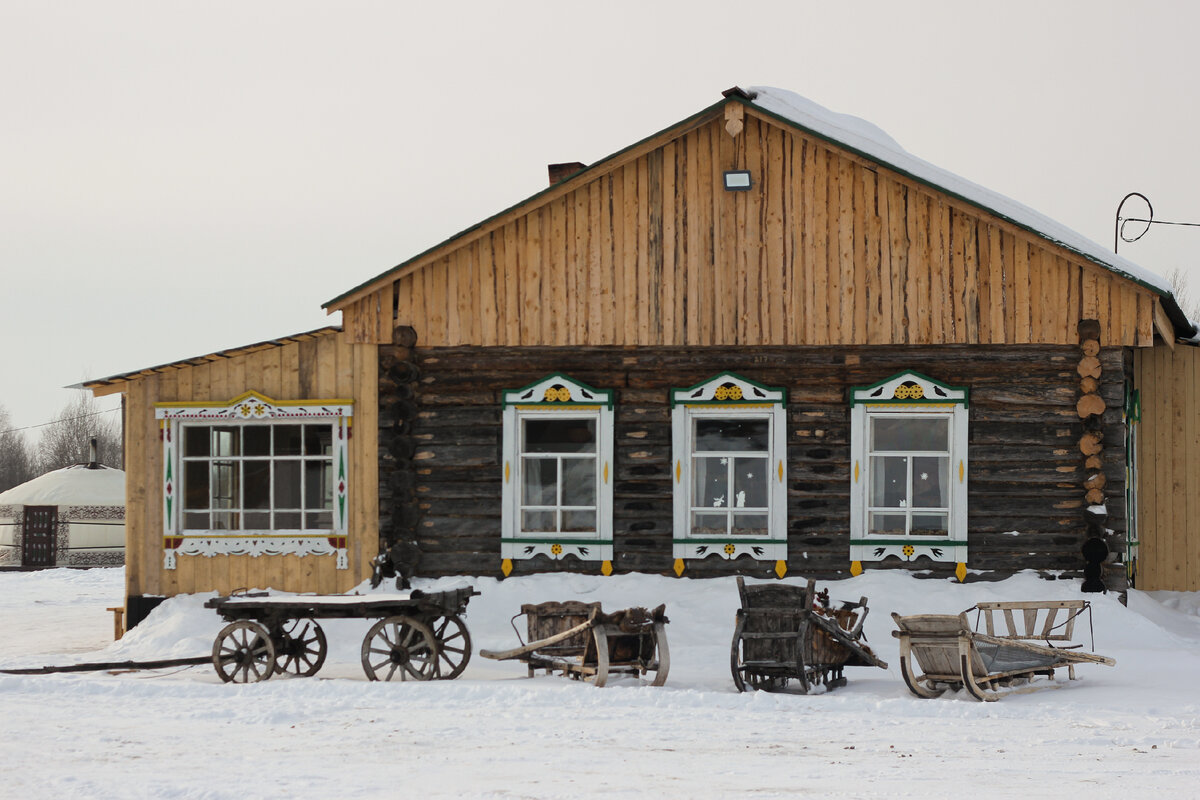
1117	226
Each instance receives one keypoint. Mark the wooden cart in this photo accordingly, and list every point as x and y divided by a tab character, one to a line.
784	634
582	642
418	635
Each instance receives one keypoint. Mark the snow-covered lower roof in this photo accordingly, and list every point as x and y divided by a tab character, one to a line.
871	141
77	485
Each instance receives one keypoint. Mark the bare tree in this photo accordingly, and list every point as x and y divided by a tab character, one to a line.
1183	293
67	440
16	461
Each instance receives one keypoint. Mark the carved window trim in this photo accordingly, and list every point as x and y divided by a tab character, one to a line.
908	395
556	396
247	409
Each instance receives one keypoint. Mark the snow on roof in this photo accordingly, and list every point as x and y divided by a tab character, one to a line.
76	485
872	142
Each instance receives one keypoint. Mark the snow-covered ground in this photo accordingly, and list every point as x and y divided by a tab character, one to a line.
1132	730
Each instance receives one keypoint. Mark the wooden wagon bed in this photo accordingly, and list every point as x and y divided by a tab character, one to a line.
1004	660
580	641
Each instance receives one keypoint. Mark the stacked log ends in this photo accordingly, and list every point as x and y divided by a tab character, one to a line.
1090	408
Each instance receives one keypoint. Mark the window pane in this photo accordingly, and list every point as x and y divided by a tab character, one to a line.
710	482
257	520
538	522
287	440
578	482
889	482
256	440
195	522
225	484
196	441
929	525
931	482
709	524
907	433
318	440
227	441
539	481
287	485
579	521
733	433
318	520
257	493
558	435
750	482
287	521
888	523
195	484
318	485
750	524
225	521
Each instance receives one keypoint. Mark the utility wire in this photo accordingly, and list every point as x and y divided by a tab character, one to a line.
57	421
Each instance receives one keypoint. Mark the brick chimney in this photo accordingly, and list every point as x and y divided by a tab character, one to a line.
560	172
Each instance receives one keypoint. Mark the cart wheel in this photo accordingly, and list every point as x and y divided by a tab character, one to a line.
454	646
735	659
400	644
300	648
243	653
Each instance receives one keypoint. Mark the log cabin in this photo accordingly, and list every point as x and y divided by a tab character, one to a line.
765	340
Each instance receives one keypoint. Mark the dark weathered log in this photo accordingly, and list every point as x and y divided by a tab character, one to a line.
1024	431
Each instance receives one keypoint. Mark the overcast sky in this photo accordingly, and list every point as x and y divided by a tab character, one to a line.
179	178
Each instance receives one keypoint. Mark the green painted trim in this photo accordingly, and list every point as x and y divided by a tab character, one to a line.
597	166
727	374
913	542
966	390
607	394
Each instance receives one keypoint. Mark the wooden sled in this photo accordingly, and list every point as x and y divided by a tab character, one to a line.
582	642
784	633
991	665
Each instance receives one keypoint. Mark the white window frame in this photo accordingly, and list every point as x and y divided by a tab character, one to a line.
908	395
727	396
252	408
556	396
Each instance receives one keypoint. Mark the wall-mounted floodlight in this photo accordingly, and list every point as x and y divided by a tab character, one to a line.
737	180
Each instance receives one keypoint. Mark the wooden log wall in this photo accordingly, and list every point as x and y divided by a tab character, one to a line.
1025	499
826	248
326	366
1168	470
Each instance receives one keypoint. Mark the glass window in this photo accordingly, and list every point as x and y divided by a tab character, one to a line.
730	465
558	474
258	476
908	470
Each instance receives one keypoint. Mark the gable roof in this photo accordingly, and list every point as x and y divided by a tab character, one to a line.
867	141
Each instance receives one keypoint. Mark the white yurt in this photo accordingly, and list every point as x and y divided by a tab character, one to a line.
71	517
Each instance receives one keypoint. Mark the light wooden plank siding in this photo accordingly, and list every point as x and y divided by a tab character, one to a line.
1168	470
328	366
827	248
